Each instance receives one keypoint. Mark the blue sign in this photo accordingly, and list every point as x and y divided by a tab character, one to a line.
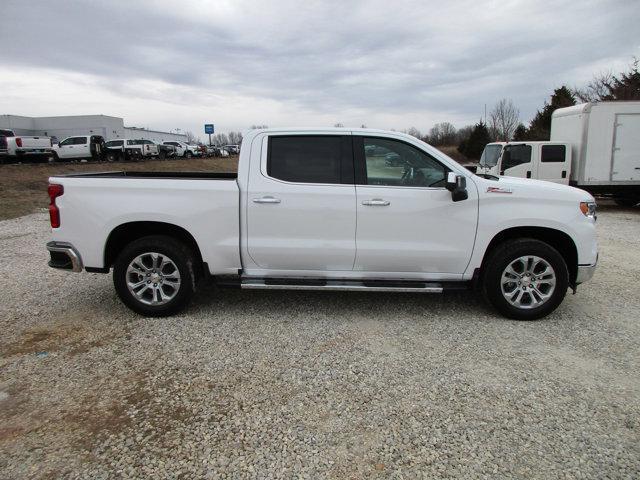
208	128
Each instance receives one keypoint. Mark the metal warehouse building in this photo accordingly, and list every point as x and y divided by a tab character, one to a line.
68	126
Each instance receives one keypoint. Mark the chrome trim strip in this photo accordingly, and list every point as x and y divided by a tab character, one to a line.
70	251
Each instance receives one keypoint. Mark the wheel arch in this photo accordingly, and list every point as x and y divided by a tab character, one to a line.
558	239
126	233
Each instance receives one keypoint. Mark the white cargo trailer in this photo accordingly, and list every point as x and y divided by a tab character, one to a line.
602	154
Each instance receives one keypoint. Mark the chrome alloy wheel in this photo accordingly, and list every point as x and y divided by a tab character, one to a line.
153	278
528	282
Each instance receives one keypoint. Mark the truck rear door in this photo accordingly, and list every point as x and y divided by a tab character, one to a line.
626	148
301	206
554	164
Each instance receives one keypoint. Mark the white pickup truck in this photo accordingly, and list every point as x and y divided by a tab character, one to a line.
324	209
17	147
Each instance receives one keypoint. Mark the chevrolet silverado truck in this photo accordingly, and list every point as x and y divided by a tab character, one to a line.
19	147
324	210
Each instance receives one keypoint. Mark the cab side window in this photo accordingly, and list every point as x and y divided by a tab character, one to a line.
398	164
80	141
65	142
514	155
553	153
308	158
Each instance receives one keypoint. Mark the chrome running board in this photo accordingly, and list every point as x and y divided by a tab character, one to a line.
322	284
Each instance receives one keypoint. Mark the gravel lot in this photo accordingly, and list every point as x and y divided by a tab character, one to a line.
316	385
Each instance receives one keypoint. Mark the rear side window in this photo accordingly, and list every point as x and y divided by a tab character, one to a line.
553	153
80	141
115	143
310	158
514	155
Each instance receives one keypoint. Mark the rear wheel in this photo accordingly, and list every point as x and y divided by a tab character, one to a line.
525	279
154	276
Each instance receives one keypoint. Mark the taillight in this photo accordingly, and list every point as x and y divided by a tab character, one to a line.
18	142
55	191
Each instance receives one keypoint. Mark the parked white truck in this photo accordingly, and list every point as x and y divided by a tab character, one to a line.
15	148
593	146
323	209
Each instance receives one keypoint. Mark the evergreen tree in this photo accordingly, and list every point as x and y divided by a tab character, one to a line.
474	145
520	134
540	127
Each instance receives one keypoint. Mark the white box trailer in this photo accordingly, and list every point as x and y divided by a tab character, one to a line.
605	139
602	151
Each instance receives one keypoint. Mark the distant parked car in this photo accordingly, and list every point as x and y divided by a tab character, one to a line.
183	149
165	151
222	152
90	147
130	149
232	149
16	147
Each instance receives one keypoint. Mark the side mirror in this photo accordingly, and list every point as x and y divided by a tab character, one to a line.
457	185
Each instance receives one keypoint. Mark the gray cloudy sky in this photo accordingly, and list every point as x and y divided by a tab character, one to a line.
388	64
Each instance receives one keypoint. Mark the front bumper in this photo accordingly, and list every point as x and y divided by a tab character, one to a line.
585	272
64	256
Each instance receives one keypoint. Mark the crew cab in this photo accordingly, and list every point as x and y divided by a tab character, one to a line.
17	147
79	147
126	149
324	209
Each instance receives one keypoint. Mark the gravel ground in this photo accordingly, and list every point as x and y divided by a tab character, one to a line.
316	385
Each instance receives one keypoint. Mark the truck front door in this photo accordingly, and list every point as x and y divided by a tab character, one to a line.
516	161
301	210
407	220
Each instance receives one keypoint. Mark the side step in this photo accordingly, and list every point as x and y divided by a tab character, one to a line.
352	285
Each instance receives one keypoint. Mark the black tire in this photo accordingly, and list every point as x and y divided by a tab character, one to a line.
504	255
162	155
181	256
627	201
54	158
188	154
111	156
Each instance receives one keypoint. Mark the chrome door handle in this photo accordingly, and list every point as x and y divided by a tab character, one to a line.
266	200
376	202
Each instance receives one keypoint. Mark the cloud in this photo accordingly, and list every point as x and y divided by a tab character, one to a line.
385	64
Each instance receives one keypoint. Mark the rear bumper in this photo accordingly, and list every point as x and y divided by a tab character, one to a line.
585	272
64	256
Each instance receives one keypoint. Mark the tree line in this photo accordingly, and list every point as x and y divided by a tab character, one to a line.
503	122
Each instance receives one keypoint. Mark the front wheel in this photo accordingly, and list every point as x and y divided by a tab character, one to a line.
525	279
154	276
188	154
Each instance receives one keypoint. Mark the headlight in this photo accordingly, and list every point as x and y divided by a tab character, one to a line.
589	209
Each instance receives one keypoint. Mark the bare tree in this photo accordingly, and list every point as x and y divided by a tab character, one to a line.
597	89
235	138
258	127
338	125
503	120
363	126
220	139
442	134
414	132
191	138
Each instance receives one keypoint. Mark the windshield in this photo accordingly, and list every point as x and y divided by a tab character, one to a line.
490	155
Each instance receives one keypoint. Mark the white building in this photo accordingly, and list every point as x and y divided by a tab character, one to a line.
69	126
